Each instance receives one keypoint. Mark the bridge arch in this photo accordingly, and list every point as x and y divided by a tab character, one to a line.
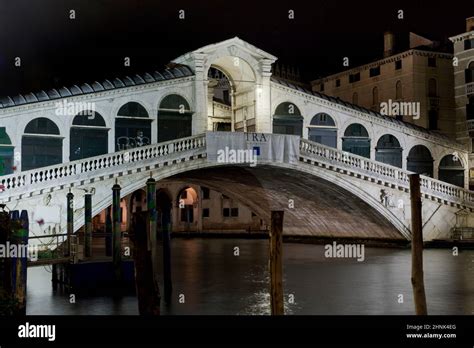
187	208
260	189
287	119
174	118
451	170
388	150
323	129
41	144
243	80
6	153
420	160
356	140
88	136
132	126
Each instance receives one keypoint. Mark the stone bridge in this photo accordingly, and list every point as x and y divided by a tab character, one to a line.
327	193
350	179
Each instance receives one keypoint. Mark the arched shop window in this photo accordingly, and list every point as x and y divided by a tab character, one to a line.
288	120
451	170
132	127
41	144
89	136
174	118
323	130
356	140
389	151
420	160
6	153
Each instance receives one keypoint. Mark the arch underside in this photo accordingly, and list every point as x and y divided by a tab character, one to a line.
321	208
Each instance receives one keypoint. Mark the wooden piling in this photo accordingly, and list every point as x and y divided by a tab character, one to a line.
417	246
152	217
275	263
88	225
108	233
148	292
117	233
70	222
166	230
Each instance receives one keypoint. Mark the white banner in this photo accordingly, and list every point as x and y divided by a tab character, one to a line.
251	148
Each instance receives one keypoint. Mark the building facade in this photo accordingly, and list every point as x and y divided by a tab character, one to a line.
418	75
464	91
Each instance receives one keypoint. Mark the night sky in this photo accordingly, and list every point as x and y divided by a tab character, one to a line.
57	51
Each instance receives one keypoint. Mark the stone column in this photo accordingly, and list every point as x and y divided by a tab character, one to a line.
200	95
263	98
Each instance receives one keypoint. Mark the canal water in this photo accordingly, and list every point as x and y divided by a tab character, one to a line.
211	276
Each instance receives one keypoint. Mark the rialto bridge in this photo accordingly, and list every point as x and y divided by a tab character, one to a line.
350	177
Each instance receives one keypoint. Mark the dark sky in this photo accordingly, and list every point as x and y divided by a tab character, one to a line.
57	51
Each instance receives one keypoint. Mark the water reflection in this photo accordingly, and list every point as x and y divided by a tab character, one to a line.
215	281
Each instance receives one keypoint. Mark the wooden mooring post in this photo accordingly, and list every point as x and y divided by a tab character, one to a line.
14	230
88	225
70	222
148	292
116	233
275	263
417	281
166	231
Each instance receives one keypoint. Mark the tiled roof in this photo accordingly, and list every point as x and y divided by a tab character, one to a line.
85	88
360	108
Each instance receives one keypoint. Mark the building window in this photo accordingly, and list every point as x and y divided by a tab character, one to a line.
432	88
226	212
432	62
470	109
469	73
398	65
468	44
354	77
375	98
338	83
355	98
433	119
234	212
374	72
205	213
205	193
322	87
398	90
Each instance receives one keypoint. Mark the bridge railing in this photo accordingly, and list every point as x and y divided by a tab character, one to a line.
49	175
380	170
